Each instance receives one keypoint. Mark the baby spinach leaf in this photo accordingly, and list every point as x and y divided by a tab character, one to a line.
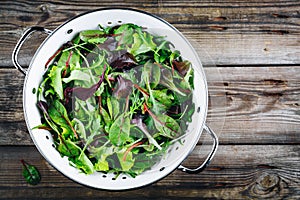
59	115
165	124
30	173
138	122
119	130
163	97
151	74
167	80
126	163
68	148
93	36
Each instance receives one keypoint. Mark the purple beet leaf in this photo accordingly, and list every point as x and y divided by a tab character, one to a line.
84	93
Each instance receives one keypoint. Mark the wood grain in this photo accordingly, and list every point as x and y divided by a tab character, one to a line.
269	31
273	172
246	103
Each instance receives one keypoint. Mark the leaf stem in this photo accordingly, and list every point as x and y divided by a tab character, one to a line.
25	166
132	147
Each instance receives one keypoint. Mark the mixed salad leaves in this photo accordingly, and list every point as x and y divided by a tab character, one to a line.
116	98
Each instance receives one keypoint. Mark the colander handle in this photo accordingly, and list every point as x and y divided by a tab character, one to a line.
209	157
21	41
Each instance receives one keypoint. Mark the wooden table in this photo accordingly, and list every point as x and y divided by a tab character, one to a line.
256	49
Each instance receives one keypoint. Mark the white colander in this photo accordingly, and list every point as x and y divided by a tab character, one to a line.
111	17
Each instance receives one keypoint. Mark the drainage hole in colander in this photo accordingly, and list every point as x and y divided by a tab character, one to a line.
120	22
109	23
176	148
124	177
198	109
183	141
113	178
70	31
104	176
53	145
162	169
47	137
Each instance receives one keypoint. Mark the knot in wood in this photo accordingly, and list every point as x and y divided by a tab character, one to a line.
267	181
43	8
266	186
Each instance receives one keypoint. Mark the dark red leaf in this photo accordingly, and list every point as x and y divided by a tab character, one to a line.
121	60
181	67
83	93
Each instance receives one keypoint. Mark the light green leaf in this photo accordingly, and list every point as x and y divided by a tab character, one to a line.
143	42
77	75
163	97
102	154
119	130
128	162
92	36
55	76
83	162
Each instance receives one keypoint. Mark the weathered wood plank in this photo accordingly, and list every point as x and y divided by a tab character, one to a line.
260	103
249	103
231	32
236	172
